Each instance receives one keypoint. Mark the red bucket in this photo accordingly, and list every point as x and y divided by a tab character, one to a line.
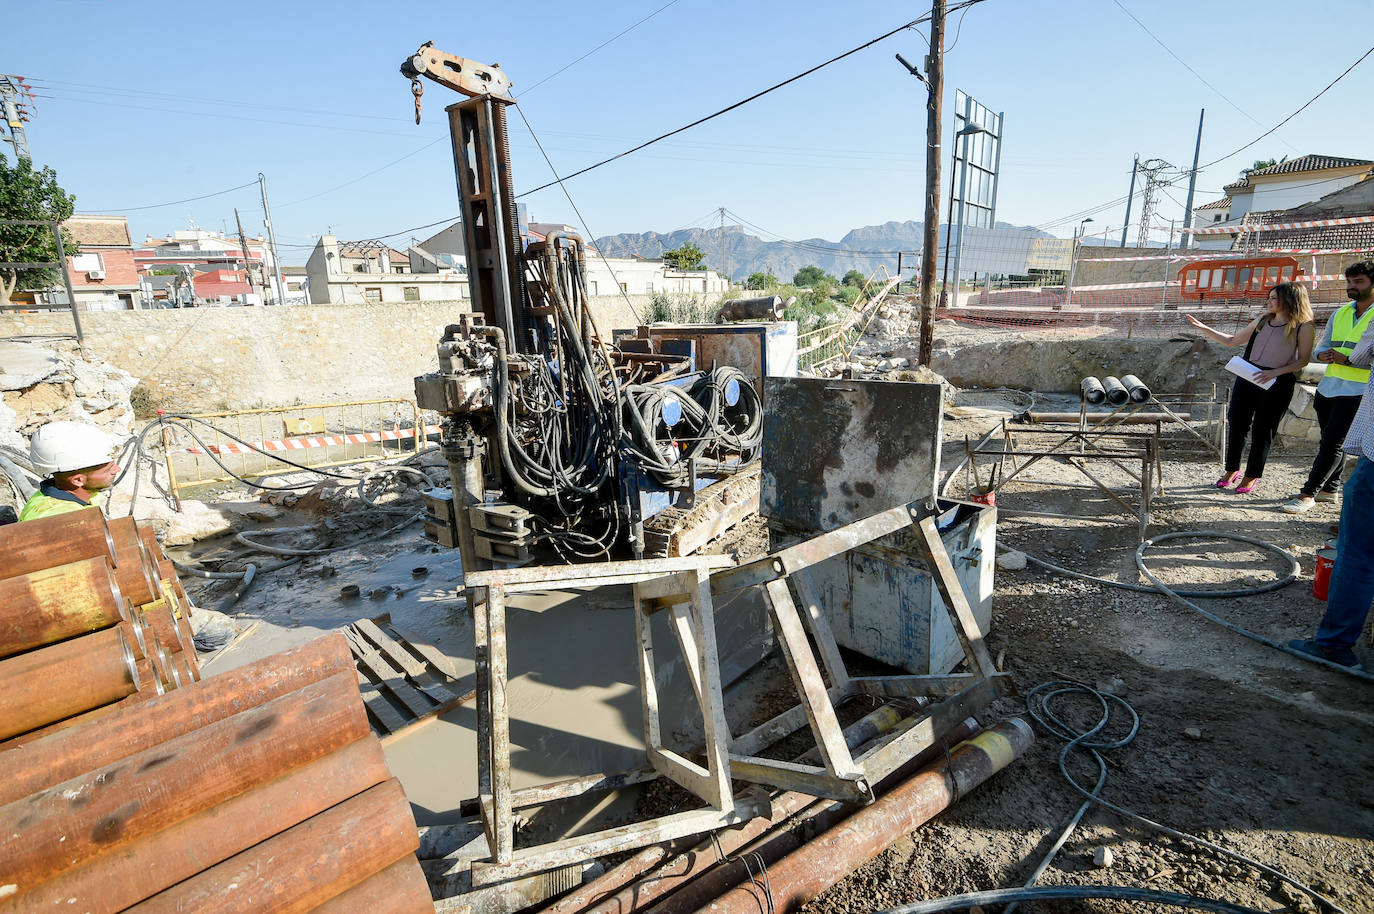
984	498
1321	576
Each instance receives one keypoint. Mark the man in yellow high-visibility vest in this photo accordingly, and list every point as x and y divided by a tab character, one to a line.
1339	393
77	461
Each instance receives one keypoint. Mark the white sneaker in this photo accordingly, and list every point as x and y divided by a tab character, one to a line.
1297	505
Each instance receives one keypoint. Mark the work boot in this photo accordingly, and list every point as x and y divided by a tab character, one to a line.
1345	657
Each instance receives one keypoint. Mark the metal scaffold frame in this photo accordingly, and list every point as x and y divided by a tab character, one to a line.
684	588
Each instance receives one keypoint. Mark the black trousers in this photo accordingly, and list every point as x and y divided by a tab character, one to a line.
1255	413
1334	415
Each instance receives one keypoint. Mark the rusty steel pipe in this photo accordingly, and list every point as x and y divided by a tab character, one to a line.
56	540
54	604
790	835
174	780
149	537
113	882
158	617
55	682
138	574
135	631
140	725
145	692
148	678
398	889
306	865
700	855
829	858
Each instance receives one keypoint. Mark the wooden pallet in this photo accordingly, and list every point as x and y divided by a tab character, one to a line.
403	680
678	532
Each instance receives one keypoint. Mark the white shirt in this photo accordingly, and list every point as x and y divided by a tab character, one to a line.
1360	439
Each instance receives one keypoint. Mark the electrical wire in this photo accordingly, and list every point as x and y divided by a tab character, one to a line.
1065	893
757	95
603	44
1190	69
1040	705
129	209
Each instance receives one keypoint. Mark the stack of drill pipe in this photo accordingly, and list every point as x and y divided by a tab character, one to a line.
51	683
262	790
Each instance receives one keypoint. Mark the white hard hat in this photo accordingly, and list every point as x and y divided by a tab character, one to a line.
61	447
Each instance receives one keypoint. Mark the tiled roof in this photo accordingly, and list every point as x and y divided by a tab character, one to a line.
1309	163
1237	185
1223	203
99	231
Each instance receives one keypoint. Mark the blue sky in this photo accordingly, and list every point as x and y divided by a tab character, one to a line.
142	108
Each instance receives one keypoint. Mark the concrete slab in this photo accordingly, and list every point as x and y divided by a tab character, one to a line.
24	364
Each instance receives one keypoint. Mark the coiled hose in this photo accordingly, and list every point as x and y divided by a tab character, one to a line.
1041	704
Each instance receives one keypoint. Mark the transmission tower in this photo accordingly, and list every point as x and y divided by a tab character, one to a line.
17	105
1151	170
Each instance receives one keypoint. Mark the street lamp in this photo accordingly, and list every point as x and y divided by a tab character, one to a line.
970	130
1073	259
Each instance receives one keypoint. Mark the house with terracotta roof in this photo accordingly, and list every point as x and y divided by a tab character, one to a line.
1277	188
104	276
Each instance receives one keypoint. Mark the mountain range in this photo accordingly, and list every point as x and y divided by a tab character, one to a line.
1003	249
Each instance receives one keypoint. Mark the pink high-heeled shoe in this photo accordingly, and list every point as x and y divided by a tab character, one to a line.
1228	480
1246	490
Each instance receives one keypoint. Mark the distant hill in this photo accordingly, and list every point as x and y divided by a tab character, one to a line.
1001	250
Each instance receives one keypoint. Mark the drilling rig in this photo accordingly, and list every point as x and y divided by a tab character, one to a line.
559	444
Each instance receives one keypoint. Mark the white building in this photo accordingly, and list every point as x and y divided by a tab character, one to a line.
1278	187
359	273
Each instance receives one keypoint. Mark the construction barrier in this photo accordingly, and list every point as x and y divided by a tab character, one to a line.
207	448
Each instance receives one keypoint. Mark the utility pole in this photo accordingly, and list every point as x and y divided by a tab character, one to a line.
1187	240
724	267
243	244
1130	198
934	78
15	110
272	240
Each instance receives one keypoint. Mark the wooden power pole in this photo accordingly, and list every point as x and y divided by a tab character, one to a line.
243	244
935	82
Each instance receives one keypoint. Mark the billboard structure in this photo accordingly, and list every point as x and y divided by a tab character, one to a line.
973	180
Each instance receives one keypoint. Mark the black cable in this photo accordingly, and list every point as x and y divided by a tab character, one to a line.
129	209
1064	893
1040	706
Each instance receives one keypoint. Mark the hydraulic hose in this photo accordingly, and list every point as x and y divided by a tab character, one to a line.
1065	893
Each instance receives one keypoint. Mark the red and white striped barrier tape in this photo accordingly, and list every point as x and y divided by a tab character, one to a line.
1227	255
1326	277
1280	226
296	444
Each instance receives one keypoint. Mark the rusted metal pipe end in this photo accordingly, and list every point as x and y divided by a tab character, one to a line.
127	654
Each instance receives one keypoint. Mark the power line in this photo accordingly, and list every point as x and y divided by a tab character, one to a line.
619	34
1091	211
757	95
583	222
363	176
130	209
1202	79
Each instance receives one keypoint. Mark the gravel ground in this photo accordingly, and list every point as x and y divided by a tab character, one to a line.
1238	743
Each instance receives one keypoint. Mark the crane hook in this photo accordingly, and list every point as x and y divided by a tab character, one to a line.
417	89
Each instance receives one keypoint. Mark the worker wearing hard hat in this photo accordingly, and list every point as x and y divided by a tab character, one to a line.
77	461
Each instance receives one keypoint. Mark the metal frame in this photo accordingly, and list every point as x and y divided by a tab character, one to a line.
61	264
684	588
1074	446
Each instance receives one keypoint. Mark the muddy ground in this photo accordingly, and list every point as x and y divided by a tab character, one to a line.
1238	743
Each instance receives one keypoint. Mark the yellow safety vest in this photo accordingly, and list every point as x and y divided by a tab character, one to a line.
1345	333
40	505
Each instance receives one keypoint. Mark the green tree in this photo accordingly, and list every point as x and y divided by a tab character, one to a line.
29	194
823	288
687	257
761	281
808	276
853	278
1262	163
